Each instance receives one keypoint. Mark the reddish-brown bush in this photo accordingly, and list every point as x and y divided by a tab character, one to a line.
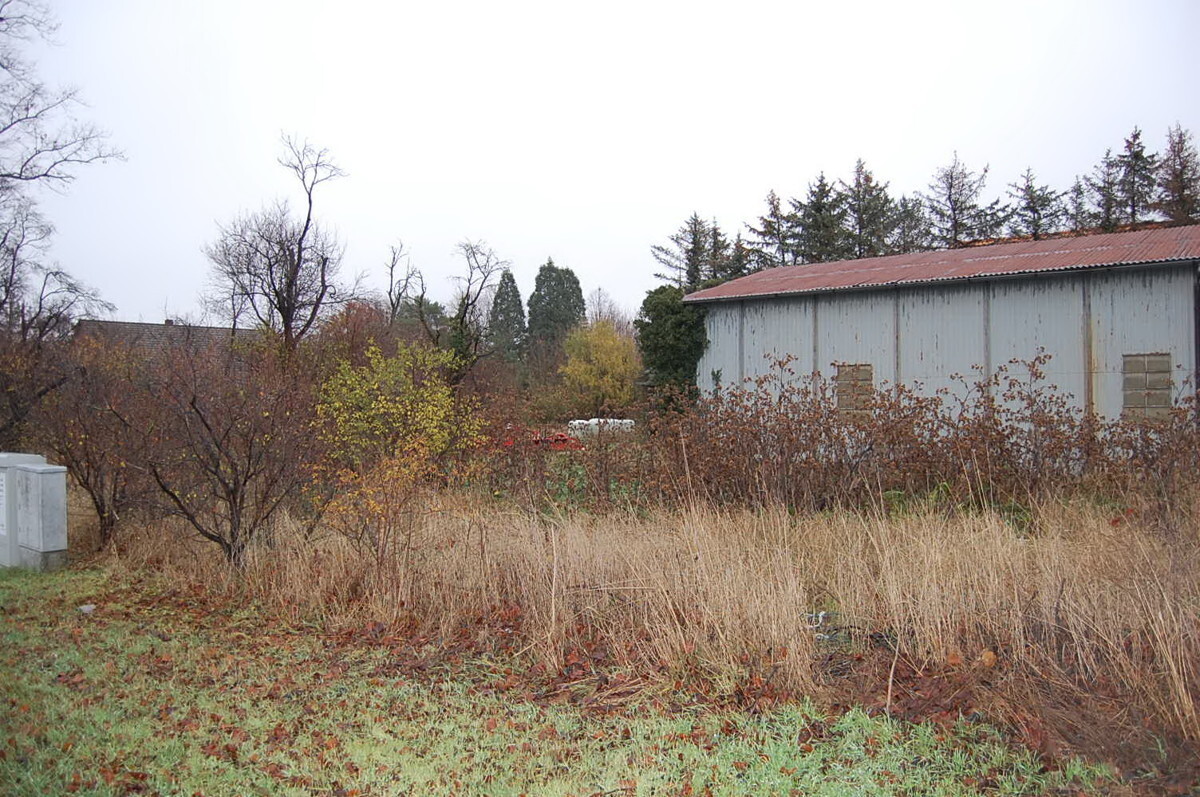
1008	440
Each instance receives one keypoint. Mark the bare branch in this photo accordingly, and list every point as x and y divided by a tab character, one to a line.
41	143
468	325
401	284
22	21
280	270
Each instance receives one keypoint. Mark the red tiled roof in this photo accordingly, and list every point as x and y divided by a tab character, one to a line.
1026	257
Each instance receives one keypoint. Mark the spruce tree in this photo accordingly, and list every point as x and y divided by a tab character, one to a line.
1038	210
1179	178
953	203
870	214
698	253
718	255
556	307
1079	216
739	263
1103	190
773	241
911	231
1137	179
506	319
687	258
822	236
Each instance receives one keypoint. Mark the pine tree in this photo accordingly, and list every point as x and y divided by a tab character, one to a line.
1179	178
774	240
1038	210
506	319
1103	189
822	215
953	203
556	307
870	214
911	231
718	255
688	257
739	263
1079	216
1136	180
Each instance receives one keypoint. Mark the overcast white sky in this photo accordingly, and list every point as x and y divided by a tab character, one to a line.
582	131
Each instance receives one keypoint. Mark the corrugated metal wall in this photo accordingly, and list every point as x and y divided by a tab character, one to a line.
775	329
1141	311
1028	315
927	335
942	335
720	363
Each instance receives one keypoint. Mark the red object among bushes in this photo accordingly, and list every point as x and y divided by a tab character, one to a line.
527	438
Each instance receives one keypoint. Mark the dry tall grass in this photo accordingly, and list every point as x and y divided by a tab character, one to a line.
1075	601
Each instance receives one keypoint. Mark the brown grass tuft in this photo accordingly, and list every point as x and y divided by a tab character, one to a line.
1071	606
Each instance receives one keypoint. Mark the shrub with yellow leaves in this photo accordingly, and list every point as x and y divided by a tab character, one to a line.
393	405
392	426
601	369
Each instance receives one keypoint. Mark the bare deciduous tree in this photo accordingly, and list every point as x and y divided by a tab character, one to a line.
38	305
40	139
41	143
89	426
463	332
226	436
402	284
280	269
468	325
602	307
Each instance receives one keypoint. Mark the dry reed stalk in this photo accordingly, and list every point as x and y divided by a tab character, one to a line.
1070	598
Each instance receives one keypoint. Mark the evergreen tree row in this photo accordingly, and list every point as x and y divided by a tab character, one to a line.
859	217
556	306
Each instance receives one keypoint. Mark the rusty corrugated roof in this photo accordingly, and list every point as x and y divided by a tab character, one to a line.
1160	245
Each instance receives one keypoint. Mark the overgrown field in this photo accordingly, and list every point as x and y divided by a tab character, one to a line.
989	554
1072	626
167	690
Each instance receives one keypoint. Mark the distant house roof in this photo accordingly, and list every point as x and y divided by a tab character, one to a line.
1160	245
157	337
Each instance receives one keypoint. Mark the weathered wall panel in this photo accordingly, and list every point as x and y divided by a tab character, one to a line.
775	329
720	358
1041	313
858	328
942	335
1139	312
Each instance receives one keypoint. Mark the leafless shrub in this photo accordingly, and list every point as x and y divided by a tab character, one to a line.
226	434
1009	439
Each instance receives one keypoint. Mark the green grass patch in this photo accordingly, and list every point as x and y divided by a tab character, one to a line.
158	691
